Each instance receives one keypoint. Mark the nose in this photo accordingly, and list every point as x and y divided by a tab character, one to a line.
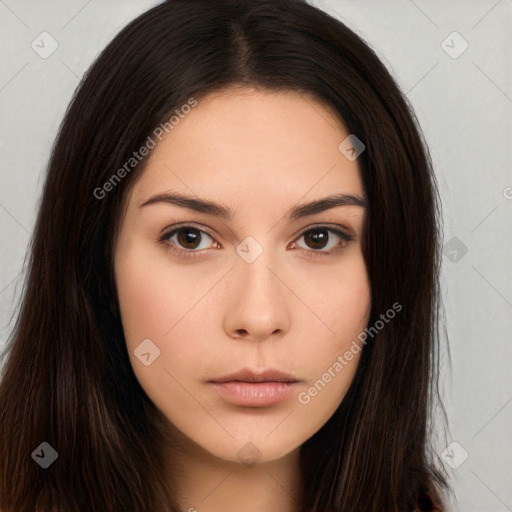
259	303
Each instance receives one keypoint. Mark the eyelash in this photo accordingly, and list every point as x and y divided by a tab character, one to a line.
183	253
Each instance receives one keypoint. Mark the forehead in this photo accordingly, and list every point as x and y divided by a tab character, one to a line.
241	143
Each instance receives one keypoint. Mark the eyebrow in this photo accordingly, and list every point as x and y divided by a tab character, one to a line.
222	211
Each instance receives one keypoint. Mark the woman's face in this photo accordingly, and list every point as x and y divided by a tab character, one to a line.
257	292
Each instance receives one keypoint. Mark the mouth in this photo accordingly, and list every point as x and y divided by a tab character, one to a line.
247	388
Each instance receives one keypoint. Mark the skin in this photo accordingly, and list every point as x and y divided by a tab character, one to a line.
259	153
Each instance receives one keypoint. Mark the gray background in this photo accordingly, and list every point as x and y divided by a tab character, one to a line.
464	105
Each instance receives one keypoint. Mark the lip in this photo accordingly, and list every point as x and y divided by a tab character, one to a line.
254	394
247	388
248	375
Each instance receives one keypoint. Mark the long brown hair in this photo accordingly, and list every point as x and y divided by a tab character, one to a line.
67	378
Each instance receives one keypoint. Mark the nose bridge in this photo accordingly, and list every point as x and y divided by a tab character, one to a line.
259	305
258	283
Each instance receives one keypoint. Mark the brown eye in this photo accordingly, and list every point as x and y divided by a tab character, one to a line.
316	239
187	240
319	239
189	237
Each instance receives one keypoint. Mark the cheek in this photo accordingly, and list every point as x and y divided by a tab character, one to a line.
168	305
153	295
339	297
331	347
144	300
154	300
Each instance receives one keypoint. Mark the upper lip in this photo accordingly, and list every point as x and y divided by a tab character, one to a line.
248	375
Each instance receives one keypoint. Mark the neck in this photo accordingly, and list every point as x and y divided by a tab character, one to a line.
203	482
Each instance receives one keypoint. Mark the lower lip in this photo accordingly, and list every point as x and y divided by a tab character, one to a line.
254	394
